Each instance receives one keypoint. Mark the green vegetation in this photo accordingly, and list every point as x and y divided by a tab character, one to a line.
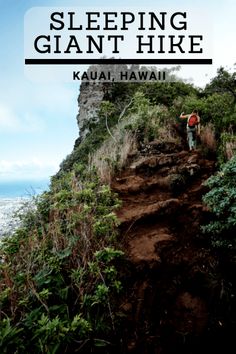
164	102
59	272
221	200
220	232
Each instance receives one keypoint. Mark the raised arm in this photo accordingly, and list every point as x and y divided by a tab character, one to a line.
183	116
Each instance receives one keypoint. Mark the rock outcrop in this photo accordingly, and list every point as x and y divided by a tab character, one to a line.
89	100
92	93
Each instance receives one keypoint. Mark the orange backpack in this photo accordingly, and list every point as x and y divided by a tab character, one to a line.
192	120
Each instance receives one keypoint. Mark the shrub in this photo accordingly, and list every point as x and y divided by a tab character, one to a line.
221	200
223	82
141	123
59	277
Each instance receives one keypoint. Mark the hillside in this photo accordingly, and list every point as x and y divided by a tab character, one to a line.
133	248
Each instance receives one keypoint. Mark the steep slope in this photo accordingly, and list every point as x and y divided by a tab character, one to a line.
168	298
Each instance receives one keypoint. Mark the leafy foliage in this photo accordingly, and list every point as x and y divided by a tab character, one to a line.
157	105
59	272
221	200
223	82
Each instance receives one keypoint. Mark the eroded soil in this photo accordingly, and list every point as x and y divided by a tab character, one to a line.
169	265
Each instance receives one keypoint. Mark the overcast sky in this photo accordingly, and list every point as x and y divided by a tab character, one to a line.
38	121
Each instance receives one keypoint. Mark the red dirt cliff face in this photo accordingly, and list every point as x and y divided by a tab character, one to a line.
168	297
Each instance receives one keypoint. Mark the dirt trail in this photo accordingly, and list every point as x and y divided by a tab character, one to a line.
166	302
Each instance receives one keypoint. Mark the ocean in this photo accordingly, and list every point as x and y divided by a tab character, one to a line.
18	189
13	195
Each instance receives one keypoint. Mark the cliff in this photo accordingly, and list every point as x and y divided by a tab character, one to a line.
89	100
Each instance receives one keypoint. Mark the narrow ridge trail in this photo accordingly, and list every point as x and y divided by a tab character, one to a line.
167	302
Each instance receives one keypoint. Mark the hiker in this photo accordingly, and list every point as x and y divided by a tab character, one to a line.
193	128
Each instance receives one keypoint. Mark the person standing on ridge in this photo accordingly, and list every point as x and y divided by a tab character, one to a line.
193	128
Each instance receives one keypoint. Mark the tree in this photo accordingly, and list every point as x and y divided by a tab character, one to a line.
223	82
107	109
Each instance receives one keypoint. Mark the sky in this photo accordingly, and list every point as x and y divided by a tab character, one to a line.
38	120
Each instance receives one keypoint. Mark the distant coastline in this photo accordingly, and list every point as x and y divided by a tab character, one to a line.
27	188
13	194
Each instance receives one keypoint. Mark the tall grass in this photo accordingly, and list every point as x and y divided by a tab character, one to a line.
113	154
230	149
208	137
142	123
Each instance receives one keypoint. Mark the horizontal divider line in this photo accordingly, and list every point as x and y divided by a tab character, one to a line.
117	61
